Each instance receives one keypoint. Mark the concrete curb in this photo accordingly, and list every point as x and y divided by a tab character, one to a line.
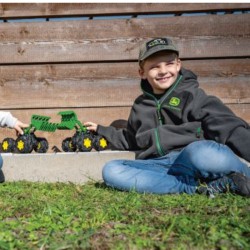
77	168
59	167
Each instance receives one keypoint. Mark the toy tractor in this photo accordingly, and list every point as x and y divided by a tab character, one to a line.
83	140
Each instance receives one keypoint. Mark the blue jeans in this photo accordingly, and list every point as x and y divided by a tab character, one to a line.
1	162
176	172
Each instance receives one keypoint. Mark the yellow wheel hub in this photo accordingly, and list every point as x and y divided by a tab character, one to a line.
103	143
20	145
87	143
38	145
71	145
5	145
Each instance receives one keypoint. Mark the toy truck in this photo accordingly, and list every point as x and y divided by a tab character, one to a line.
82	141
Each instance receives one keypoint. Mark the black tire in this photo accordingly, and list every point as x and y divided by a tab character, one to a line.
84	142
8	145
41	145
75	138
24	144
33	139
100	143
68	145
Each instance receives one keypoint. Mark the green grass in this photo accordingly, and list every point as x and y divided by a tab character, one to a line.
92	216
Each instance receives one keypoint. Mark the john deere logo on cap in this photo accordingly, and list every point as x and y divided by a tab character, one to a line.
174	101
156	42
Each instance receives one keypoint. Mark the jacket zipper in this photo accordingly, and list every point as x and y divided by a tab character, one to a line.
158	111
159	106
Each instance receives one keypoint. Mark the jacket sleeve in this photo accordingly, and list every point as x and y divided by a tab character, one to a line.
239	142
121	139
219	123
7	120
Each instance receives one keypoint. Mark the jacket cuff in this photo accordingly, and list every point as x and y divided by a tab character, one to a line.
100	129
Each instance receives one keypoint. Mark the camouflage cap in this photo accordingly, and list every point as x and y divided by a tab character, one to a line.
155	45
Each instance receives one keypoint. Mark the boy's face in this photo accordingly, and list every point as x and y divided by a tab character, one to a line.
161	70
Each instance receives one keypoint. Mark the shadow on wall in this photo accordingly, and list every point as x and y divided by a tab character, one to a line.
119	123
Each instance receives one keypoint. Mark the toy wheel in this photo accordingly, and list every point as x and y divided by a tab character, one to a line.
41	145
8	145
84	142
34	139
24	144
68	145
100	143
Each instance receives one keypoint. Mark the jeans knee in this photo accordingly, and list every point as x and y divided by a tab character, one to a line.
111	169
209	155
205	150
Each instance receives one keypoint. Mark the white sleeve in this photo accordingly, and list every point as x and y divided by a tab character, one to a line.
7	120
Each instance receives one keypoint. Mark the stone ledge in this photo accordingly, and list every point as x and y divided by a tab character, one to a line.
77	168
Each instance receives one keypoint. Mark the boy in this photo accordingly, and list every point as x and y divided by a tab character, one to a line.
185	141
7	120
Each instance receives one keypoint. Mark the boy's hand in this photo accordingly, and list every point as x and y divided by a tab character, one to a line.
19	127
91	126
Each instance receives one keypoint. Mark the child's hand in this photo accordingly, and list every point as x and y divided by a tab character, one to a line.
91	126
19	127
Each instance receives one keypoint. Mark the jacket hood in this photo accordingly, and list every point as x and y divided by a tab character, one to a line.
189	79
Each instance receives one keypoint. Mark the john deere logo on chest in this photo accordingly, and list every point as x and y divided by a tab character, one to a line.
174	101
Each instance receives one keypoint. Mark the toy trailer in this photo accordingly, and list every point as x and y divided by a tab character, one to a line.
82	140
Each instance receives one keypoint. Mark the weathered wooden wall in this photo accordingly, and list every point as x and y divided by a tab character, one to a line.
90	65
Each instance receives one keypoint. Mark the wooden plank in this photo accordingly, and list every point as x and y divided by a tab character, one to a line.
226	79
112	71
99	30
105	93
104	116
110	84
20	10
83	41
228	68
230	91
241	110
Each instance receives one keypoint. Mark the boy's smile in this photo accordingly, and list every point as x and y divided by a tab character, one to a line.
161	70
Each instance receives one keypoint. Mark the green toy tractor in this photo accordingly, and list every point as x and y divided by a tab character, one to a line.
82	140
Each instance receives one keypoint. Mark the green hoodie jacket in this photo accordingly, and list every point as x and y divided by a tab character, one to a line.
184	114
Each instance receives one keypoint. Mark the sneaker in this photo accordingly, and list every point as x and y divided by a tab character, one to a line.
242	183
236	183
